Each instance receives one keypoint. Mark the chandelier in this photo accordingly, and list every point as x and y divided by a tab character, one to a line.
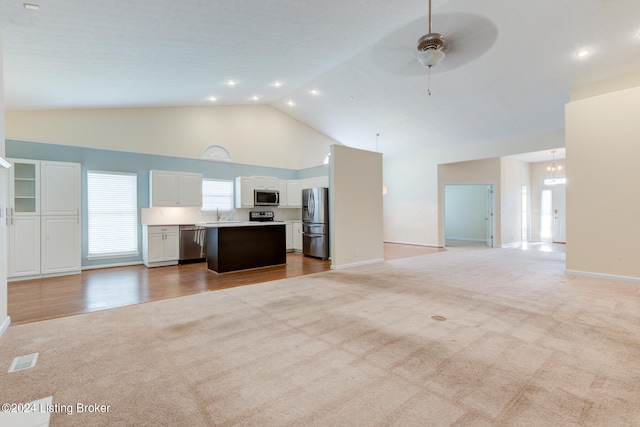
554	169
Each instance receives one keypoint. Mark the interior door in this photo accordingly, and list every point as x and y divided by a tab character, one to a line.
559	214
489	217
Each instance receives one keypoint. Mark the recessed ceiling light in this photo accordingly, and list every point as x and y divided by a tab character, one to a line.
583	53
314	92
350	98
290	103
232	82
212	98
255	97
276	84
31	6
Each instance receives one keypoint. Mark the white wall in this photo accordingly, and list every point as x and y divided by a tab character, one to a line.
513	176
355	207
4	317
485	171
411	212
254	134
603	203
465	212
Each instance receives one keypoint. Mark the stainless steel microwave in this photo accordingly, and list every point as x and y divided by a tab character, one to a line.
266	198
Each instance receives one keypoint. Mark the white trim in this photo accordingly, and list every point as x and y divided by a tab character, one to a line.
604	276
5	325
119	264
357	264
464	239
4	163
424	245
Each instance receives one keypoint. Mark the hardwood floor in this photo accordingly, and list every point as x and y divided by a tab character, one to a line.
94	290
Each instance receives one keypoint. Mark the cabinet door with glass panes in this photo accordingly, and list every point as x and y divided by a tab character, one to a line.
24	187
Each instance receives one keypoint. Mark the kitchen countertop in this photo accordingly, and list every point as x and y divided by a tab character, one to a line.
238	224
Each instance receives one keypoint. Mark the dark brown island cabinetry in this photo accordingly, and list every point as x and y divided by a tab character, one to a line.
232	248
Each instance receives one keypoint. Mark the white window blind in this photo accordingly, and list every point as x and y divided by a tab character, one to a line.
217	194
112	200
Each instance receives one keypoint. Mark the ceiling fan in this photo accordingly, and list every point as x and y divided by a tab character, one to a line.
430	49
468	36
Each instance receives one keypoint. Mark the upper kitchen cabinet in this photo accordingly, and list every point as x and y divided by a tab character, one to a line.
320	181
60	188
24	187
244	192
175	188
294	194
265	183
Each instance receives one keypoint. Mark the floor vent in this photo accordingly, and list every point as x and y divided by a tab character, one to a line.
439	318
23	362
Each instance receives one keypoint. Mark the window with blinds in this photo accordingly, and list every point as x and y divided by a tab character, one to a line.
217	194
112	199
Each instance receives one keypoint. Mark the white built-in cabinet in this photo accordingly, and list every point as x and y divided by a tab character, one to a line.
160	245
297	236
44	219
167	188
290	190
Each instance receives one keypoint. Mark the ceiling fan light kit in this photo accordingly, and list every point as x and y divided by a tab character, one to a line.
430	48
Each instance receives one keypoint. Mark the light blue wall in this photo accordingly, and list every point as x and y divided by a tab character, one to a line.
141	164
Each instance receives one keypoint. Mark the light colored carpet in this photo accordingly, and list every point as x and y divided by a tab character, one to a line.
523	344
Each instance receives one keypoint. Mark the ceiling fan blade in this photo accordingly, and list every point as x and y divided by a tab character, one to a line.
467	37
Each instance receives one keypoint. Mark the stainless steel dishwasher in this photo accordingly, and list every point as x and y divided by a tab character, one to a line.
192	244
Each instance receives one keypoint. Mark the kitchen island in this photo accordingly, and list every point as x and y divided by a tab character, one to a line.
233	246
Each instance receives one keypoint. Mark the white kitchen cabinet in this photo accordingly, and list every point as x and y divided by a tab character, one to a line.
294	194
60	188
288	226
60	245
282	189
24	246
244	192
24	187
297	236
169	188
265	183
44	219
320	181
160	245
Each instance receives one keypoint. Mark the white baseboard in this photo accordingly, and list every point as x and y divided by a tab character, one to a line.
464	239
119	264
357	264
5	325
413	244
604	276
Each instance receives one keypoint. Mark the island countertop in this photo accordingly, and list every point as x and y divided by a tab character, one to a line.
219	224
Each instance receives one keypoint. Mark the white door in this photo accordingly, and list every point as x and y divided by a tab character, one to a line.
190	189
559	214
60	244
155	248
164	188
24	246
171	246
60	189
489	217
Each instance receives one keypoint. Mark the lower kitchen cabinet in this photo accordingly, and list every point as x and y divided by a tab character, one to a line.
24	246
297	236
288	226
160	245
60	245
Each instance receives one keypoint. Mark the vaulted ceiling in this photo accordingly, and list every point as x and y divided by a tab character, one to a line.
346	68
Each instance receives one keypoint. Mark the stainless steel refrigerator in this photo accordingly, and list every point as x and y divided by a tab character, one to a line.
315	222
